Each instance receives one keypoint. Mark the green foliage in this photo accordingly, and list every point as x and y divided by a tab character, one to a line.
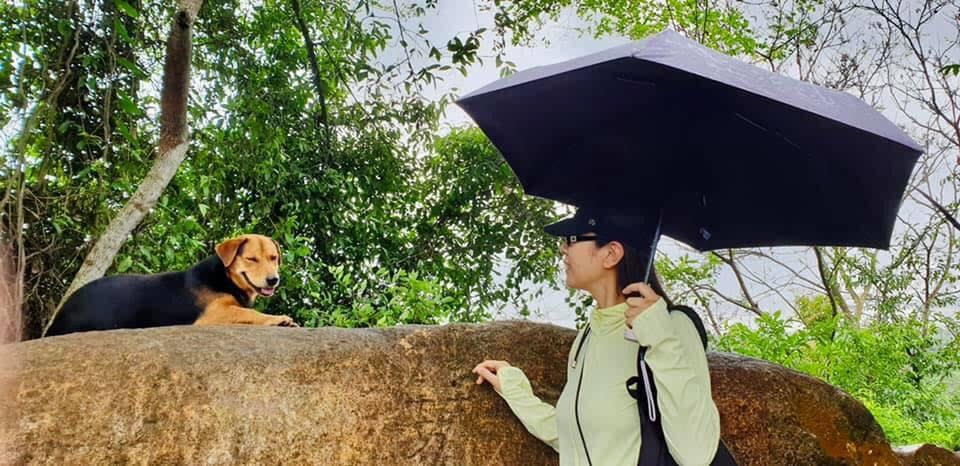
365	186
402	298
898	372
686	277
718	25
813	309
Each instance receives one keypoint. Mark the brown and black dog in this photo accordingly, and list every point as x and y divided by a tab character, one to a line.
218	290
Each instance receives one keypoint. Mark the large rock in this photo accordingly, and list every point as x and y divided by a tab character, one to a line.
772	415
927	455
8	379
254	395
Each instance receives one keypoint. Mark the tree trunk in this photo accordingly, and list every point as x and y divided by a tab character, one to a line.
11	296
171	151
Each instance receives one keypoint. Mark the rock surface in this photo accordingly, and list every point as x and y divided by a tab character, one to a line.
927	455
395	396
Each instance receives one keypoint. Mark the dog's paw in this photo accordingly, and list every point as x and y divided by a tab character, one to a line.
283	321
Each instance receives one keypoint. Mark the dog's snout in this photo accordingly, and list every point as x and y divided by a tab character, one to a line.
272	281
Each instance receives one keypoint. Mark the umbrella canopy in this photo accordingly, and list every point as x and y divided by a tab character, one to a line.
731	155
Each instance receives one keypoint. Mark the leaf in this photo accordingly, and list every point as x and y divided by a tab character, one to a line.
128	105
121	30
951	69
124	264
124	131
132	67
127	9
64	27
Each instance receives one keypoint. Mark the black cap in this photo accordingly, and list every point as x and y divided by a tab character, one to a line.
632	227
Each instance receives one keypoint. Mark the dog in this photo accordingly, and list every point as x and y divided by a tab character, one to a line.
218	290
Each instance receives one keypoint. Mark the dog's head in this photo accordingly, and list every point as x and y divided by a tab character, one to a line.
252	262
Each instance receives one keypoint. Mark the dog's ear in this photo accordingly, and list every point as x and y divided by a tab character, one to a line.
279	252
227	250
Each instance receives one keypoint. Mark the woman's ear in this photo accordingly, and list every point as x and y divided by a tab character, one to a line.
613	255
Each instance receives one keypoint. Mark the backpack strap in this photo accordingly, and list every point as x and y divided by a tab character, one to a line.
697	321
653	450
653	445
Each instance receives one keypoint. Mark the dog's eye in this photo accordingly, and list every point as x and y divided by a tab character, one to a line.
252	259
273	258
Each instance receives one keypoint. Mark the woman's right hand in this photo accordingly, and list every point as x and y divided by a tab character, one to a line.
487	370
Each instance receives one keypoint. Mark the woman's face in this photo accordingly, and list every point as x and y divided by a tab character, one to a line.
583	262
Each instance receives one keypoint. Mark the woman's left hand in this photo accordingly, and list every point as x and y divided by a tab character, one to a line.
635	306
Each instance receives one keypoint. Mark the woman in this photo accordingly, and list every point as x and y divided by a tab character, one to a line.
596	421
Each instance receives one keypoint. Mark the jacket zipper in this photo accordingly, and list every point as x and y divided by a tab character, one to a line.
576	402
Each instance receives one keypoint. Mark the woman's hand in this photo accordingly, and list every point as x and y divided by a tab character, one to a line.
487	370
635	306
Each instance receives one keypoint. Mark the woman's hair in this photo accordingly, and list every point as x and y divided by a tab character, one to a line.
631	268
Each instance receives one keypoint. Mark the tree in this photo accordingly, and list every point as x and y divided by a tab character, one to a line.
170	154
330	159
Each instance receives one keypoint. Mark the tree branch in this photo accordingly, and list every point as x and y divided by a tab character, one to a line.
743	286
318	83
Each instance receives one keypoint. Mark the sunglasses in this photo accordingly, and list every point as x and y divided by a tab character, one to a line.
571	239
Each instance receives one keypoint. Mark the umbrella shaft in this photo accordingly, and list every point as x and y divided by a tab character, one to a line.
653	249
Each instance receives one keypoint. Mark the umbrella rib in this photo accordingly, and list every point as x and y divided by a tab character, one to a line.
768	130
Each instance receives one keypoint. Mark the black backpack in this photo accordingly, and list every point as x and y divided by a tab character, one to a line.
653	447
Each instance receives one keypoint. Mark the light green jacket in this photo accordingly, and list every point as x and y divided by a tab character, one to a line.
608	415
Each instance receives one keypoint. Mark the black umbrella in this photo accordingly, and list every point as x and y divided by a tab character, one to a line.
728	154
